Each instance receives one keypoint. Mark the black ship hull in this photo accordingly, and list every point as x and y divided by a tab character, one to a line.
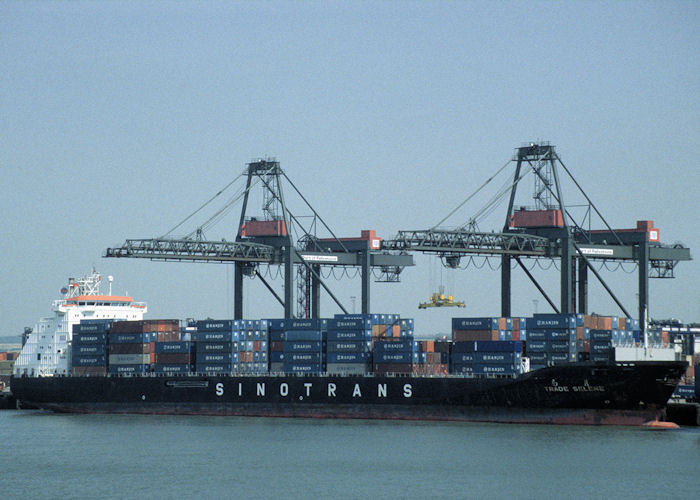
619	394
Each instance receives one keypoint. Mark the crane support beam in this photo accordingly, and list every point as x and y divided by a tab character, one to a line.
194	250
355	259
469	242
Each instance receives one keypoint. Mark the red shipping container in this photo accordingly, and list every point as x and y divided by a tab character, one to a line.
469	335
86	371
645	225
393	368
176	358
264	228
127	327
536	218
256	345
245	357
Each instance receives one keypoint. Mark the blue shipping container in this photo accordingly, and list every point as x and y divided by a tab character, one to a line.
312	346
216	346
395	357
303	357
552	321
349	346
561	357
212	357
83	327
89	349
537	335
483	369
87	360
306	324
336	335
537	346
181	346
567	334
497	357
562	346
396	346
212	325
276	357
463	369
538	357
349	324
223	336
171	368
463	357
214	368
348	357
131	338
277	336
475	323
302	335
302	368
129	369
600	347
89	338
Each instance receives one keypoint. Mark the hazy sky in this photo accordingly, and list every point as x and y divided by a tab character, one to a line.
119	119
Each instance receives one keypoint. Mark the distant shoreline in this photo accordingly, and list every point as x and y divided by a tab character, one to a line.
10	343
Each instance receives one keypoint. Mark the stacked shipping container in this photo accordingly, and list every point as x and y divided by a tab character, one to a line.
253	345
297	345
231	346
551	340
503	328
349	347
487	357
216	351
393	347
89	348
433	358
347	344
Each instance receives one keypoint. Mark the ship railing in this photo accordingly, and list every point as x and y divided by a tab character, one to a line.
301	375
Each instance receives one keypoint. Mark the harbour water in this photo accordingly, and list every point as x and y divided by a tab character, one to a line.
48	456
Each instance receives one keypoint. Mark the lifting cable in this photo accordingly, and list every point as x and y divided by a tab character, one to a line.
226	208
491	205
204	205
470	196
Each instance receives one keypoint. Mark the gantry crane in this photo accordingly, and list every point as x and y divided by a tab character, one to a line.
266	239
550	232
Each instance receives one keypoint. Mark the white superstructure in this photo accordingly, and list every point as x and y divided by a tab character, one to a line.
46	351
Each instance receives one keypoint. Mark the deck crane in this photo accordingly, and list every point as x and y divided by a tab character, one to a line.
267	240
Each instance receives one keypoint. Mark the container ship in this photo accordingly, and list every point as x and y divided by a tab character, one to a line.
98	355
